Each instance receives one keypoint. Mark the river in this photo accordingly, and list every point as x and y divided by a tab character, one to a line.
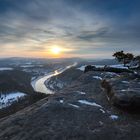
39	83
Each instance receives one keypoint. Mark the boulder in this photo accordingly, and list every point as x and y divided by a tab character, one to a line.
123	94
89	68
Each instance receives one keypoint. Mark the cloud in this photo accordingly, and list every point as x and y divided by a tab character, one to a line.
83	26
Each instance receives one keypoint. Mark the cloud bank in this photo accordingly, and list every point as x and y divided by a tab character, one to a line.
88	28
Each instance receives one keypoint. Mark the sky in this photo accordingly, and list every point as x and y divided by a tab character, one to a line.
80	28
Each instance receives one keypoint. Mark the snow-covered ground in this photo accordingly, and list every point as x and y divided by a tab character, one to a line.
5	68
7	99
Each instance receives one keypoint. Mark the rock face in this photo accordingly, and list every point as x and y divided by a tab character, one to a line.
106	69
123	92
89	68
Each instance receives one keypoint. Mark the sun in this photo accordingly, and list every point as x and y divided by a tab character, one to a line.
56	50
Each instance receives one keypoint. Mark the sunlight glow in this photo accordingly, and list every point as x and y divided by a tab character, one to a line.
56	50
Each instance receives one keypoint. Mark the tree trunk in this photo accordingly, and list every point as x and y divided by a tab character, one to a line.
124	62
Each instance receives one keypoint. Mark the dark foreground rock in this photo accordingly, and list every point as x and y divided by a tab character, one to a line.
78	112
124	91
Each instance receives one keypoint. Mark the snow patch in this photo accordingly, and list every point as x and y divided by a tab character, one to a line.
89	103
5	68
123	90
76	106
102	111
60	85
101	123
82	68
80	92
97	77
113	117
120	66
61	101
27	66
7	99
125	82
112	74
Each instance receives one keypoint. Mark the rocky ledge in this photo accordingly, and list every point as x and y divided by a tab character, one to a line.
80	111
123	91
123	88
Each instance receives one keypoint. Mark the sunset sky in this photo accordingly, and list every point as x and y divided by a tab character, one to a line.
69	28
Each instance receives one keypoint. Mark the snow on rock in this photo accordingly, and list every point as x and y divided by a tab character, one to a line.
97	77
5	68
125	82
51	86
120	66
102	111
60	85
33	78
80	92
82	68
61	101
27	66
113	117
99	66
76	106
112	74
7	99
123	90
89	103
101	123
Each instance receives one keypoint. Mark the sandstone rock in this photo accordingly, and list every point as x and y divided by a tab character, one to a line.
124	94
